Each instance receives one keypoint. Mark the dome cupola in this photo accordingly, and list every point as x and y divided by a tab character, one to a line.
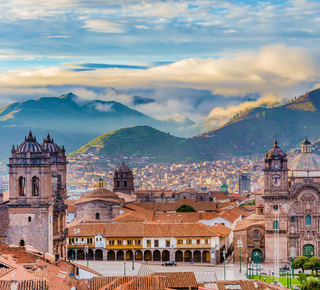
30	144
123	168
305	146
49	146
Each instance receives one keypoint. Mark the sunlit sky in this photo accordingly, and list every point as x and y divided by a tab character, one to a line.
196	58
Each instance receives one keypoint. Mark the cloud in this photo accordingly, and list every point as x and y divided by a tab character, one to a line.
105	26
219	116
104	107
274	70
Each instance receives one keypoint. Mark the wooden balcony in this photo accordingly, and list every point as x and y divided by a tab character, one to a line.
193	246
80	245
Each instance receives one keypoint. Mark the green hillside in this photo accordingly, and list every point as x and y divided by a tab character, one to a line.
252	132
142	141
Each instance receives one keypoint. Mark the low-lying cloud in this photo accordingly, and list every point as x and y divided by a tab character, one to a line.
277	70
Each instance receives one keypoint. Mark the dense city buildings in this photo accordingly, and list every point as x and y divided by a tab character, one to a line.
85	169
244	183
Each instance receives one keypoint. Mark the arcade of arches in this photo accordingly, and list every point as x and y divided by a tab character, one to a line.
197	256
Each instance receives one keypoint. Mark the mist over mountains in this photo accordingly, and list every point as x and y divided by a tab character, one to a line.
247	134
74	122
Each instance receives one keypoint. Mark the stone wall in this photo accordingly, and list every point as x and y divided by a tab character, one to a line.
35	232
106	210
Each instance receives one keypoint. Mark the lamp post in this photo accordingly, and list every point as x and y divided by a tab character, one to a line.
224	263
247	265
133	253
240	245
252	273
87	254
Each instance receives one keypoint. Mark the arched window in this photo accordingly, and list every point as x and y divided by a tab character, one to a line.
29	219
21	243
125	183
97	216
308	220
35	186
22	186
256	235
292	219
118	183
275	225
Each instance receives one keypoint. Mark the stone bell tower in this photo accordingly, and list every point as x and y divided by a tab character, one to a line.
276	196
36	197
123	179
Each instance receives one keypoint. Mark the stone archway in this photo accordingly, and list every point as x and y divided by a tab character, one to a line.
147	255
187	256
179	256
205	257
165	256
120	255
129	255
197	256
308	250
138	255
111	256
256	256
71	254
156	255
80	255
98	255
90	255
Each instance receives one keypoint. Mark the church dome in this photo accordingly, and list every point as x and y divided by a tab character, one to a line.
49	145
123	168
305	163
275	152
30	144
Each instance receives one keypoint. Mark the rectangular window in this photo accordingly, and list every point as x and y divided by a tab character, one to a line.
198	241
129	242
189	241
207	241
156	243
148	243
119	242
111	242
180	242
168	243
138	242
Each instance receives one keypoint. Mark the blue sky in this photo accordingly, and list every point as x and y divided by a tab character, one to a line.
231	49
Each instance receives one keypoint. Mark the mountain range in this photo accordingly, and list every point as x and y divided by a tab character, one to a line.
74	123
250	133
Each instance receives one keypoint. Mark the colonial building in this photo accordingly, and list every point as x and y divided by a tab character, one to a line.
147	241
123	179
290	207
36	208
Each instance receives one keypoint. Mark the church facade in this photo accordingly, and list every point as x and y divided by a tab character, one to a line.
288	214
36	207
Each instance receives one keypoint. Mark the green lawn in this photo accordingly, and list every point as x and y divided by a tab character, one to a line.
282	280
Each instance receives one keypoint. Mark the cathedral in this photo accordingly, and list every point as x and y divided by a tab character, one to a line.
36	207
287	219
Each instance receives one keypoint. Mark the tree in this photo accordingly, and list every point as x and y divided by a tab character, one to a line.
313	264
301	263
311	284
185	208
